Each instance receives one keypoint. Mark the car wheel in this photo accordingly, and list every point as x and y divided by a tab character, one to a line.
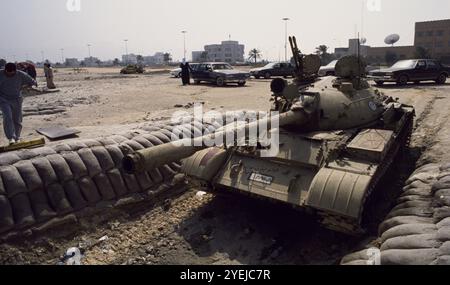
257	77
242	83
179	75
379	83
330	73
402	80
267	75
197	82
441	79
220	81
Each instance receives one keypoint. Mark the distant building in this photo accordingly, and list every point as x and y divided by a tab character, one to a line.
72	62
228	51
156	59
129	59
434	36
91	61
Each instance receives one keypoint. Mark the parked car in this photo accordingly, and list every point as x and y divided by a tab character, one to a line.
413	70
220	73
274	69
177	71
132	69
328	70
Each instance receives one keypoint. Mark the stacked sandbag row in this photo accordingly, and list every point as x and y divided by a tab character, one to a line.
40	184
417	230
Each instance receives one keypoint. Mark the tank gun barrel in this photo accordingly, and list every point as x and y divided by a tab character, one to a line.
154	157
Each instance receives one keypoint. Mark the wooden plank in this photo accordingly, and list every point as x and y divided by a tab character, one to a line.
21	145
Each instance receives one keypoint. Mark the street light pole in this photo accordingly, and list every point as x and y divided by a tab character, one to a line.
62	56
184	38
285	37
126	51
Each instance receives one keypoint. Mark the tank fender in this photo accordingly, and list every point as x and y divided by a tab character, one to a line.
339	192
205	164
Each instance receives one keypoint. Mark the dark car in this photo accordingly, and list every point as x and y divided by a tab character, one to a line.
220	73
274	69
412	70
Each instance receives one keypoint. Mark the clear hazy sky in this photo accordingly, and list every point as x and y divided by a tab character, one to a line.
28	27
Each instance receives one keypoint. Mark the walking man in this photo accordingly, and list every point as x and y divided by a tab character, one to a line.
11	83
48	70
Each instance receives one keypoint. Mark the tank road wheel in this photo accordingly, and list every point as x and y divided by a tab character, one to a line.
267	75
402	80
220	81
379	82
441	79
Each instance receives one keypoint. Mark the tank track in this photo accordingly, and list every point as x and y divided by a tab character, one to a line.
352	226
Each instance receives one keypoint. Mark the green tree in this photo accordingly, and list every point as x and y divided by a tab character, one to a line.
391	57
254	54
422	52
116	62
98	62
140	59
325	57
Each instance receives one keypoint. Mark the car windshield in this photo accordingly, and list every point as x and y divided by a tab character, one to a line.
222	67
332	64
270	65
405	64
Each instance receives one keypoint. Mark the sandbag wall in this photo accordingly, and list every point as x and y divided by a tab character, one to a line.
417	230
41	184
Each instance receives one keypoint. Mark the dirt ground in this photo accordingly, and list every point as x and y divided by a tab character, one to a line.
215	228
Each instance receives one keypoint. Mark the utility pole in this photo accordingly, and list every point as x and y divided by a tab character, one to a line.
285	37
89	50
184	38
62	56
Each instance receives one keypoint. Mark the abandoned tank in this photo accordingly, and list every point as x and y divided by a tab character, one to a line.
337	138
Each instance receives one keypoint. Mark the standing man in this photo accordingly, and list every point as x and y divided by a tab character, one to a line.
185	73
48	70
11	83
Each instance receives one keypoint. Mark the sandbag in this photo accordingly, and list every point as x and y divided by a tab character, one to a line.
8	158
91	162
89	190
441	213
22	212
12	180
76	165
408	229
74	195
61	168
396	221
412	242
45	170
104	187
76	145
443	234
116	155
58	199
413	204
41	207
409	256
6	215
30	175
131	182
103	157
144	181
117	182
416	211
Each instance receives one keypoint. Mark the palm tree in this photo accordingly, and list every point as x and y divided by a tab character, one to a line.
254	54
167	58
116	61
322	50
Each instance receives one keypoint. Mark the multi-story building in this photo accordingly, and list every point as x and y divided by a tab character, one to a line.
91	61
129	58
435	37
157	59
228	51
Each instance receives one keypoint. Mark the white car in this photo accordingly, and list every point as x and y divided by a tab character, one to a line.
328	70
176	72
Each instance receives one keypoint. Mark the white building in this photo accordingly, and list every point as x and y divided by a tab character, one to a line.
227	51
